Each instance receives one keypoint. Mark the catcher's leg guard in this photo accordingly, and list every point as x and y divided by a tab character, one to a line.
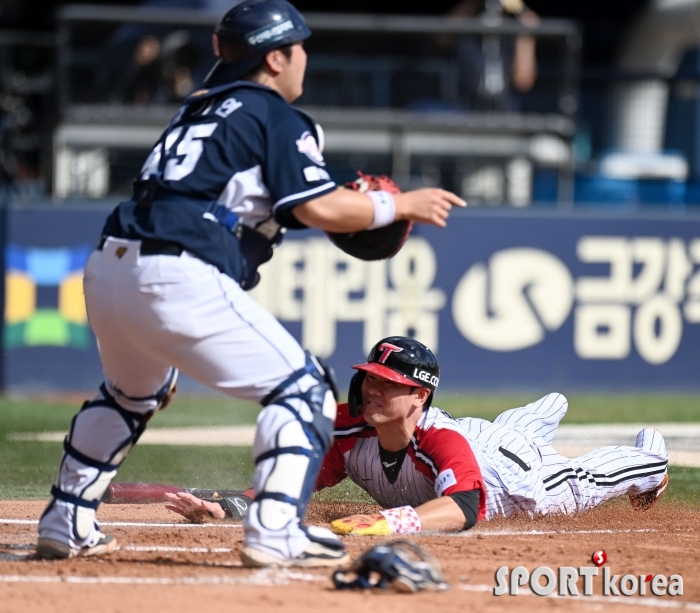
294	432
100	437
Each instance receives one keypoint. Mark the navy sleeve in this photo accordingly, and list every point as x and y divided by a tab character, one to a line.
294	167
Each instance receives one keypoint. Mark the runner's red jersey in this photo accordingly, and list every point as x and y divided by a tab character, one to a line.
439	461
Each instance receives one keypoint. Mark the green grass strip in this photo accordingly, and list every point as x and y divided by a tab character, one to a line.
27	469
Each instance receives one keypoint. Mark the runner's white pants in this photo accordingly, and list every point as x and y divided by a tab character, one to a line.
151	314
523	473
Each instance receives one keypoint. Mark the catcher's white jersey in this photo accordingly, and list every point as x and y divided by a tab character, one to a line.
520	470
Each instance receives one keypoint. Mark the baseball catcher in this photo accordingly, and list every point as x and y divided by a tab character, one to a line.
431	471
166	289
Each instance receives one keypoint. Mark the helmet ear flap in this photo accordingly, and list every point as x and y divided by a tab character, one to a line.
355	393
428	402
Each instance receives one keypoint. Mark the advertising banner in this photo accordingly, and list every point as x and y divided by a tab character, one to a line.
47	339
507	299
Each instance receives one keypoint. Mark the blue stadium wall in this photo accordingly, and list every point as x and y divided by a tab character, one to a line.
509	300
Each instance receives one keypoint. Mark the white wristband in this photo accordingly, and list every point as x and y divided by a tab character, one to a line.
402	520
384	209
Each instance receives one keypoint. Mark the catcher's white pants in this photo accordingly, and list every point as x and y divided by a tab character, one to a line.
523	473
151	314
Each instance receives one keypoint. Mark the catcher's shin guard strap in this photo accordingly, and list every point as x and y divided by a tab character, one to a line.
132	407
164	390
77	501
273	453
321	427
278	496
314	367
308	369
81	457
136	422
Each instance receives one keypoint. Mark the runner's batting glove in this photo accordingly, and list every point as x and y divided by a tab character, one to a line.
400	520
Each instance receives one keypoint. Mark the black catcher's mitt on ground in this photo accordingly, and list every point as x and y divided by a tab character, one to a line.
378	244
401	565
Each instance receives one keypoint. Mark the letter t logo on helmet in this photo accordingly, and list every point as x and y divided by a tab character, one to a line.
387	350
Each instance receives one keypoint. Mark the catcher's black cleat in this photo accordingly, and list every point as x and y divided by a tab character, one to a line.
50	549
646	500
315	555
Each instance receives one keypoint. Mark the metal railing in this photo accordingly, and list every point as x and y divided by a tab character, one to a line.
72	16
382	86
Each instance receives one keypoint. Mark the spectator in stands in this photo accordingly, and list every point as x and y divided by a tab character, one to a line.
142	79
491	67
181	57
188	62
162	65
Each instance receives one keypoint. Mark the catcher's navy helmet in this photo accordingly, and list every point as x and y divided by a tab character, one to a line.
252	29
399	359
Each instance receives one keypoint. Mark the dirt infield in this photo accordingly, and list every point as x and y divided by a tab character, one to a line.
168	565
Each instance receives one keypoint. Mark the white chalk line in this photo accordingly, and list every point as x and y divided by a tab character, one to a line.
263	577
132	524
478	533
163	549
34	522
138	548
609	600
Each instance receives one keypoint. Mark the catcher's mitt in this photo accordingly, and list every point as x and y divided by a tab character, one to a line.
400	565
380	243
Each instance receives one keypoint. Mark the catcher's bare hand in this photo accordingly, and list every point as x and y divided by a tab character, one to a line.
193	508
429	206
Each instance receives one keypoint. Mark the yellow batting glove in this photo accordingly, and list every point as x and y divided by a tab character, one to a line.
362	525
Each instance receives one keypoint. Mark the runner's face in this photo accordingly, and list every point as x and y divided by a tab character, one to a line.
385	401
